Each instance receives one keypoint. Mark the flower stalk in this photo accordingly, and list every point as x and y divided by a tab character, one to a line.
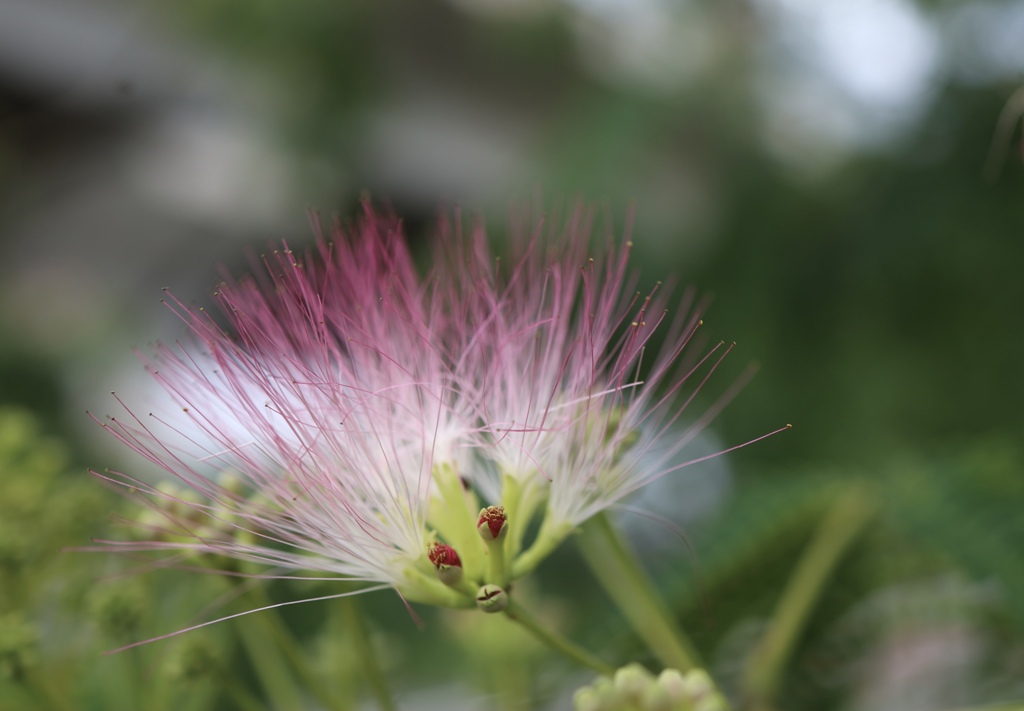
629	586
837	531
548	539
492	525
560	644
366	653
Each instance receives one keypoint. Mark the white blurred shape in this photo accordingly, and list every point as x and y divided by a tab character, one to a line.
658	45
884	52
211	166
438	144
843	75
83	53
988	40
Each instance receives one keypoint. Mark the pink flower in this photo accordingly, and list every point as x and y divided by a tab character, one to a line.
574	405
325	397
350	398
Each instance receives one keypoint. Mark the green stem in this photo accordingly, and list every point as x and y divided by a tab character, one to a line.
242	697
427	589
548	539
497	570
356	627
836	532
616	568
555	641
261	645
284	639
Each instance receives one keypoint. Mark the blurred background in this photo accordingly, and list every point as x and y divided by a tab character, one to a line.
844	179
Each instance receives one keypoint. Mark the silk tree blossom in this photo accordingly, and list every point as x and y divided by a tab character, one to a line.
366	412
573	419
325	399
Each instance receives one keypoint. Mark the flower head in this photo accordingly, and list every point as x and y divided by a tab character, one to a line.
363	409
326	399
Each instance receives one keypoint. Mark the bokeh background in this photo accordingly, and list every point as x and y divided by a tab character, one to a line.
843	178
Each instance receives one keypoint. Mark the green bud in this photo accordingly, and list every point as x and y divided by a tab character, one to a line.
605	688
657	698
586	699
714	702
632	681
491	598
674	683
697	684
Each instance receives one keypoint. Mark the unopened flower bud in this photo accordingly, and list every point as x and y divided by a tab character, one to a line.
632	680
674	684
586	699
657	698
698	684
446	562
714	702
492	523
605	689
491	598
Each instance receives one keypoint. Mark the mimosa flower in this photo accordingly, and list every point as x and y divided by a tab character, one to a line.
361	409
574	403
325	399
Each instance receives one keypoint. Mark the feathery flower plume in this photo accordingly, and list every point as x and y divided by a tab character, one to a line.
572	418
326	399
363	410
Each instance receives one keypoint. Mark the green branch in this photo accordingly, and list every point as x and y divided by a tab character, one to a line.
629	586
362	645
555	641
833	538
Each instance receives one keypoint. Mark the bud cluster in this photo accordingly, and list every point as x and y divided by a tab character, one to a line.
488	590
178	514
633	688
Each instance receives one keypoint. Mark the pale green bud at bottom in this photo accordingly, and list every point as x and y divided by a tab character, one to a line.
491	598
633	688
632	681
